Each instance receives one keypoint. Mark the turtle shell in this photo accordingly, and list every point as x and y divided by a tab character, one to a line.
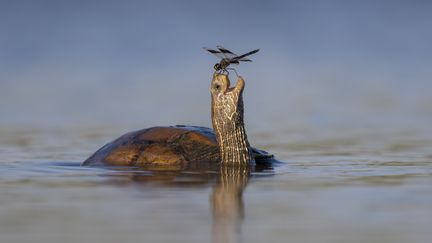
163	146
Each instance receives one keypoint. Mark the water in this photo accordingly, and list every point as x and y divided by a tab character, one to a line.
334	186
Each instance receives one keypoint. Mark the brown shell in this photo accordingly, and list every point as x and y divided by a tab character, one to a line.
162	146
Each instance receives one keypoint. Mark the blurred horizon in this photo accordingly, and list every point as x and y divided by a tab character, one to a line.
141	63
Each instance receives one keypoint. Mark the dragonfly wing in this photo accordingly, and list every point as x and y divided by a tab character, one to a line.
246	54
215	52
227	53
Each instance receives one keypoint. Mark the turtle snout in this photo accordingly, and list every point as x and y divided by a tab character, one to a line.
220	83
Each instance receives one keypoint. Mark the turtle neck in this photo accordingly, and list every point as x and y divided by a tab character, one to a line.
228	122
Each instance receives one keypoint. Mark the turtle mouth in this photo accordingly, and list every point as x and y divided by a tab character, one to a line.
238	87
232	88
229	89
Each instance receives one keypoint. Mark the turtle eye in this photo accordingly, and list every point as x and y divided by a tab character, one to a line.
217	87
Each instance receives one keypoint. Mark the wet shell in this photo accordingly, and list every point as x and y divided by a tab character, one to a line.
162	146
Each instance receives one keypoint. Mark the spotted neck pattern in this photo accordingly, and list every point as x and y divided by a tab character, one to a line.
227	119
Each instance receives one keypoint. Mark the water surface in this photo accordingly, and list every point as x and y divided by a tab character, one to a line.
334	186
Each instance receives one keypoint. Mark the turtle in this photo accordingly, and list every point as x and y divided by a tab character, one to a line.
180	145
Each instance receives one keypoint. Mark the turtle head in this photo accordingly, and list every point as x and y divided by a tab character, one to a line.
227	119
220	86
227	102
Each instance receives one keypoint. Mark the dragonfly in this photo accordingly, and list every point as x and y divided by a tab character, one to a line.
228	57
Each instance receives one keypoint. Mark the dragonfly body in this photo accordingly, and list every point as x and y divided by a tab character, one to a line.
223	64
227	58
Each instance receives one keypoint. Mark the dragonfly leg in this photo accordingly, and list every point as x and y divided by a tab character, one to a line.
224	71
235	71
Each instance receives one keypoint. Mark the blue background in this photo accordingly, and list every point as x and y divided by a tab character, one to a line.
141	63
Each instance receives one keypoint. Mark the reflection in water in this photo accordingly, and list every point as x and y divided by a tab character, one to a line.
227	202
226	197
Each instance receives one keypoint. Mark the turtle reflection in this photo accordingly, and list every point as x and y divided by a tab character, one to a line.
227	203
226	198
